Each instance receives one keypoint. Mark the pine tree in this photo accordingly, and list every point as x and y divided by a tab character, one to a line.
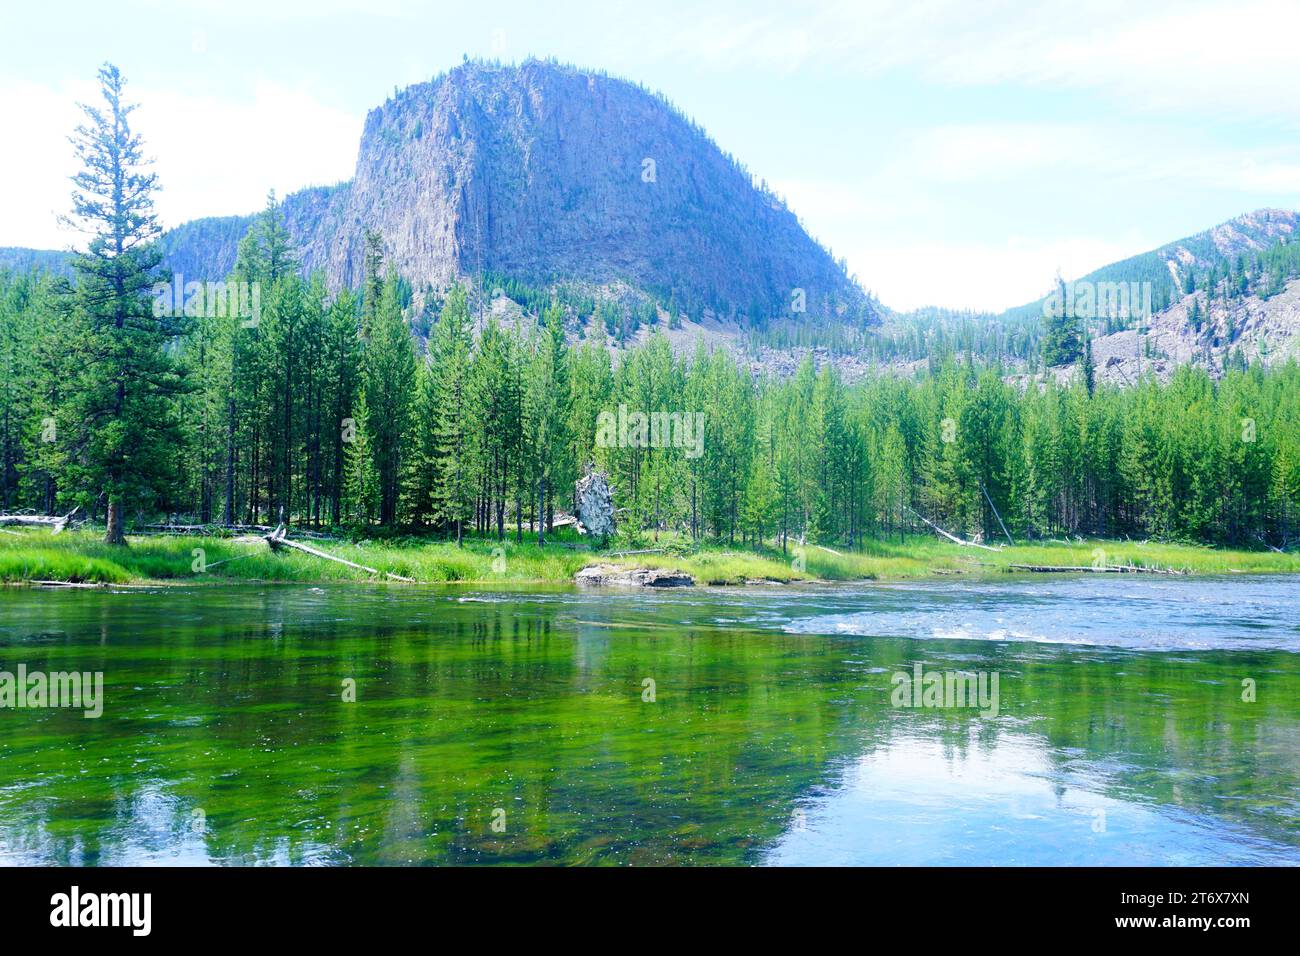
761	494
549	402
342	351
122	401
37	359
449	353
207	357
388	380
1087	369
421	485
1060	328
361	478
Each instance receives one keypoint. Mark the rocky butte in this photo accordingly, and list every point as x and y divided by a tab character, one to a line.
545	173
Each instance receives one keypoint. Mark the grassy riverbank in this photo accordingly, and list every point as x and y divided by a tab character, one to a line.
80	556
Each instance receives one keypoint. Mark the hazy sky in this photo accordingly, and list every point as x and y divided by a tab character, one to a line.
956	153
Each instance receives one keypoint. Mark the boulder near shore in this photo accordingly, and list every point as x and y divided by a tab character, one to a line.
610	575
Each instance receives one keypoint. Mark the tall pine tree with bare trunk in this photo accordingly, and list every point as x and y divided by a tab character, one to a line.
125	431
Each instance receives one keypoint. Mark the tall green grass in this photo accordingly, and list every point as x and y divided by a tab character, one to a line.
80	556
53	564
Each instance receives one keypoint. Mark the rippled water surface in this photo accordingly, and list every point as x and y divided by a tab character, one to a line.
694	726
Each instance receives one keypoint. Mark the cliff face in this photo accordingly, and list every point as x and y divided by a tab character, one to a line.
543	173
1253	328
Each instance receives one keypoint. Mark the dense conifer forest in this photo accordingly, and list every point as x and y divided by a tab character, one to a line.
350	408
329	412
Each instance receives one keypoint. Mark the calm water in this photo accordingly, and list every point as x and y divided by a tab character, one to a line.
1121	735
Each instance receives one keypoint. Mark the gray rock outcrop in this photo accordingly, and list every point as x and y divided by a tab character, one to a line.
595	504
610	575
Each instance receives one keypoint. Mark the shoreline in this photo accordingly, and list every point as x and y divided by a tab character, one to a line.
506	587
79	558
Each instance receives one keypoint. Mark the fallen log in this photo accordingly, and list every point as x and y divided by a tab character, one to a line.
1269	546
989	499
1090	569
55	523
276	539
218	530
951	537
209	567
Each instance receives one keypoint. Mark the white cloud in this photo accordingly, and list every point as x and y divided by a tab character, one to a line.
881	221
985	152
213	156
1237	57
289	11
989	276
34	170
875	230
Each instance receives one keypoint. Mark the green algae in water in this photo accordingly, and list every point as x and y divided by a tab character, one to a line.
516	728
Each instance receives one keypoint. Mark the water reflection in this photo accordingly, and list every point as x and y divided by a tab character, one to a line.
916	803
226	737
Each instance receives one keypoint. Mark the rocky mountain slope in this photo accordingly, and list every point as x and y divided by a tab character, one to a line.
23	259
543	174
1249	329
1227	295
1232	296
1168	267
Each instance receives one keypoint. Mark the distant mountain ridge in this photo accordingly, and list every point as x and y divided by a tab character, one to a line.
1168	267
23	259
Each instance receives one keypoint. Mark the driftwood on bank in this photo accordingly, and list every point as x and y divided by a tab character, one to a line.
1269	546
214	530
276	539
1090	569
951	537
55	523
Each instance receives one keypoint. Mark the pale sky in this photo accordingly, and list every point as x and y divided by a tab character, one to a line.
955	153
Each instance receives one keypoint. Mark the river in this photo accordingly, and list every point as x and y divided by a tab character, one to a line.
1136	721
